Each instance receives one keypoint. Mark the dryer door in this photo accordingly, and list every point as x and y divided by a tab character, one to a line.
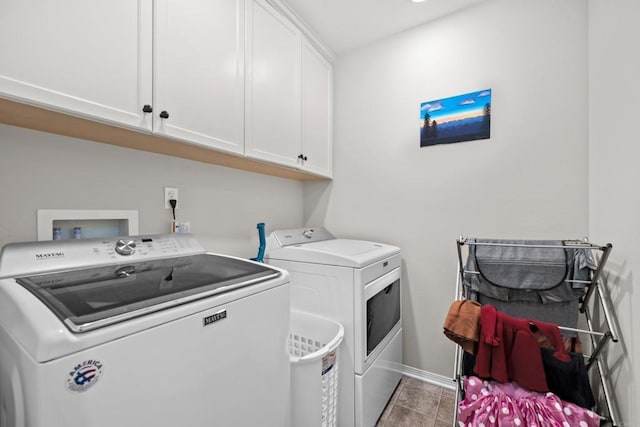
383	313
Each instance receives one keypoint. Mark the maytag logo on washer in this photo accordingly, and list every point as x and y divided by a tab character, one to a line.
84	375
49	255
214	317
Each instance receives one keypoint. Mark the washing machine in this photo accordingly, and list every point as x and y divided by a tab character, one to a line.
141	331
356	283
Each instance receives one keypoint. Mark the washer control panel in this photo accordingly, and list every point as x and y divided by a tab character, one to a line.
54	255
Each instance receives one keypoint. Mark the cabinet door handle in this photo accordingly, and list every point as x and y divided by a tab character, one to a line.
164	114
302	157
147	109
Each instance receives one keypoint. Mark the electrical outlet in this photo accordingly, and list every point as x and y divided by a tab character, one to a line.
169	194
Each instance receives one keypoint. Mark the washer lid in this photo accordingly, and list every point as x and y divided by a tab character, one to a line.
87	299
340	252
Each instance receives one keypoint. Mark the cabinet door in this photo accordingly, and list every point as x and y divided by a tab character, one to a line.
317	89
198	72
272	129
87	58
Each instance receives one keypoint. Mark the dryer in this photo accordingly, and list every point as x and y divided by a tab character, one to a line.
356	283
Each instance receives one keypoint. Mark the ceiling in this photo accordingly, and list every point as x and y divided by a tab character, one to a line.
343	25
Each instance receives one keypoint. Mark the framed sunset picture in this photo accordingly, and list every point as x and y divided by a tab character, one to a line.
460	118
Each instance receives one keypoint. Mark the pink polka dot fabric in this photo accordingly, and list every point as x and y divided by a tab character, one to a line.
489	403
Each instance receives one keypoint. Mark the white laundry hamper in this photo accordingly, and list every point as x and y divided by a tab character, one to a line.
313	348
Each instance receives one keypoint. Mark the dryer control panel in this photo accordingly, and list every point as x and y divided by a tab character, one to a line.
298	236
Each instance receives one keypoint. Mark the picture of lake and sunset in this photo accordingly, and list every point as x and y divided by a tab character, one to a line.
459	118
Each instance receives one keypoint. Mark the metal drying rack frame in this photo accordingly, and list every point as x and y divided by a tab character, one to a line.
598	338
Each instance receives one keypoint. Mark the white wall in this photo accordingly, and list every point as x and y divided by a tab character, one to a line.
45	171
528	181
614	91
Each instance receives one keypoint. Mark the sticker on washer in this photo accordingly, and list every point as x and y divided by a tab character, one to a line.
328	361
84	375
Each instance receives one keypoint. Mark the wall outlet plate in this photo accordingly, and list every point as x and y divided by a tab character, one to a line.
183	227
170	193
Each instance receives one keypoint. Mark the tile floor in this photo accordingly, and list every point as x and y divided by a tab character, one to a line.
416	403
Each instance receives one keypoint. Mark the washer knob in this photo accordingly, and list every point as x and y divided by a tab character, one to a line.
125	247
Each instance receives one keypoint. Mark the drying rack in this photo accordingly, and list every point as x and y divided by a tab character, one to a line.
598	338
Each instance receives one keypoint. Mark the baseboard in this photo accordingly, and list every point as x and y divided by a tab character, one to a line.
429	377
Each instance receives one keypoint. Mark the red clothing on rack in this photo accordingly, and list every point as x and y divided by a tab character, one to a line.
509	350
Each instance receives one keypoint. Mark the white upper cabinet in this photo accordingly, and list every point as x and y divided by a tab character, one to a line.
317	91
229	76
272	128
87	58
199	72
289	95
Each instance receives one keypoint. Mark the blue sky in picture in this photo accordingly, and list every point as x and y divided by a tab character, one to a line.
458	107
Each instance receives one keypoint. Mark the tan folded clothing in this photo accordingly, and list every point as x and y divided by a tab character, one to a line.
462	324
